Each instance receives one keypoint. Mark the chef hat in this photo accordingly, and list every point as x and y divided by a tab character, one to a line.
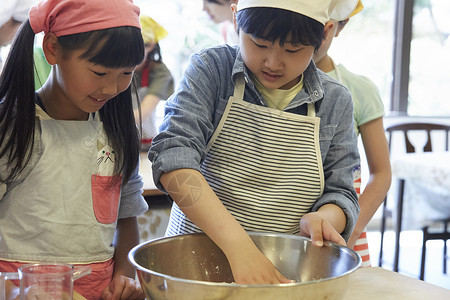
152	32
319	10
16	9
64	17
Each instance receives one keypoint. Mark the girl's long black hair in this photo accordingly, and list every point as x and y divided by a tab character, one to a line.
119	47
274	24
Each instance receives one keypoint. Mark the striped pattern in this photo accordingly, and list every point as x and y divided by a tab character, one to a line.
264	166
357	186
361	245
357	180
362	248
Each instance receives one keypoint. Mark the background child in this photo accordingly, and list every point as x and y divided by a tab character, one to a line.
12	14
256	138
368	113
69	184
220	12
153	77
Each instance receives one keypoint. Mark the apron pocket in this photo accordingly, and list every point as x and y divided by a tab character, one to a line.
105	198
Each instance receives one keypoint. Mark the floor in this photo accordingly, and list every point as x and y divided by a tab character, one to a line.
410	256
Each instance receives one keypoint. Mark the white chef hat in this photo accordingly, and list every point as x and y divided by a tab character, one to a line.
319	10
16	9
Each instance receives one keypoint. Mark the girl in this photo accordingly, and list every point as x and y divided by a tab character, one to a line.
256	138
154	79
69	185
368	114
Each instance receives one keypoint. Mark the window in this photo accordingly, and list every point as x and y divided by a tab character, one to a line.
429	66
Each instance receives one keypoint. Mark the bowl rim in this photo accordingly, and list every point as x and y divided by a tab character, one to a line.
226	284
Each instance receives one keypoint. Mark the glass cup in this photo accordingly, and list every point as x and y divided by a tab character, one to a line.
49	281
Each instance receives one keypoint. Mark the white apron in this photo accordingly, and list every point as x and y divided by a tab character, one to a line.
62	211
263	164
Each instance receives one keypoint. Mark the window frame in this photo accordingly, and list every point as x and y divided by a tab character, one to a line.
401	57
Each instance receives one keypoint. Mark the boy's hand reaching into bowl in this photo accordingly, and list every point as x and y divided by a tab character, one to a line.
254	267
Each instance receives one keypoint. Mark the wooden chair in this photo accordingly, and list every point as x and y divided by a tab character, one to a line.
442	235
409	147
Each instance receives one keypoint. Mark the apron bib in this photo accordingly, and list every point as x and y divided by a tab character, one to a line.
64	210
263	164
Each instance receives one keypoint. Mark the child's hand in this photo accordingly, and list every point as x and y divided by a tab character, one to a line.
252	267
12	292
316	227
122	287
30	293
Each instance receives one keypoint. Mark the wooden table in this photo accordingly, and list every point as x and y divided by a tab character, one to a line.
145	170
377	283
427	168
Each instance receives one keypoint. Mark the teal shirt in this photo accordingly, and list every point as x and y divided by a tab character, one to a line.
367	103
42	68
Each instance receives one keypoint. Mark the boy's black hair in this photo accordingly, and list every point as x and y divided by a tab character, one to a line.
119	47
274	24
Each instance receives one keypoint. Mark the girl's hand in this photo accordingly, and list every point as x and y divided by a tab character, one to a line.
31	293
12	292
315	226
121	288
250	266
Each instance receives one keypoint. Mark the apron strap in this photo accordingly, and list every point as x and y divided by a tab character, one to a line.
311	110
239	88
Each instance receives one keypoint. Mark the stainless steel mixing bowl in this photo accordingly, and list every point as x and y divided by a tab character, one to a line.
192	267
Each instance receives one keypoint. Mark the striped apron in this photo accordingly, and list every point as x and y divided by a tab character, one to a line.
263	164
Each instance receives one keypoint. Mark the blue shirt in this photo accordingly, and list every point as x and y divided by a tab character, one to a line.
193	112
